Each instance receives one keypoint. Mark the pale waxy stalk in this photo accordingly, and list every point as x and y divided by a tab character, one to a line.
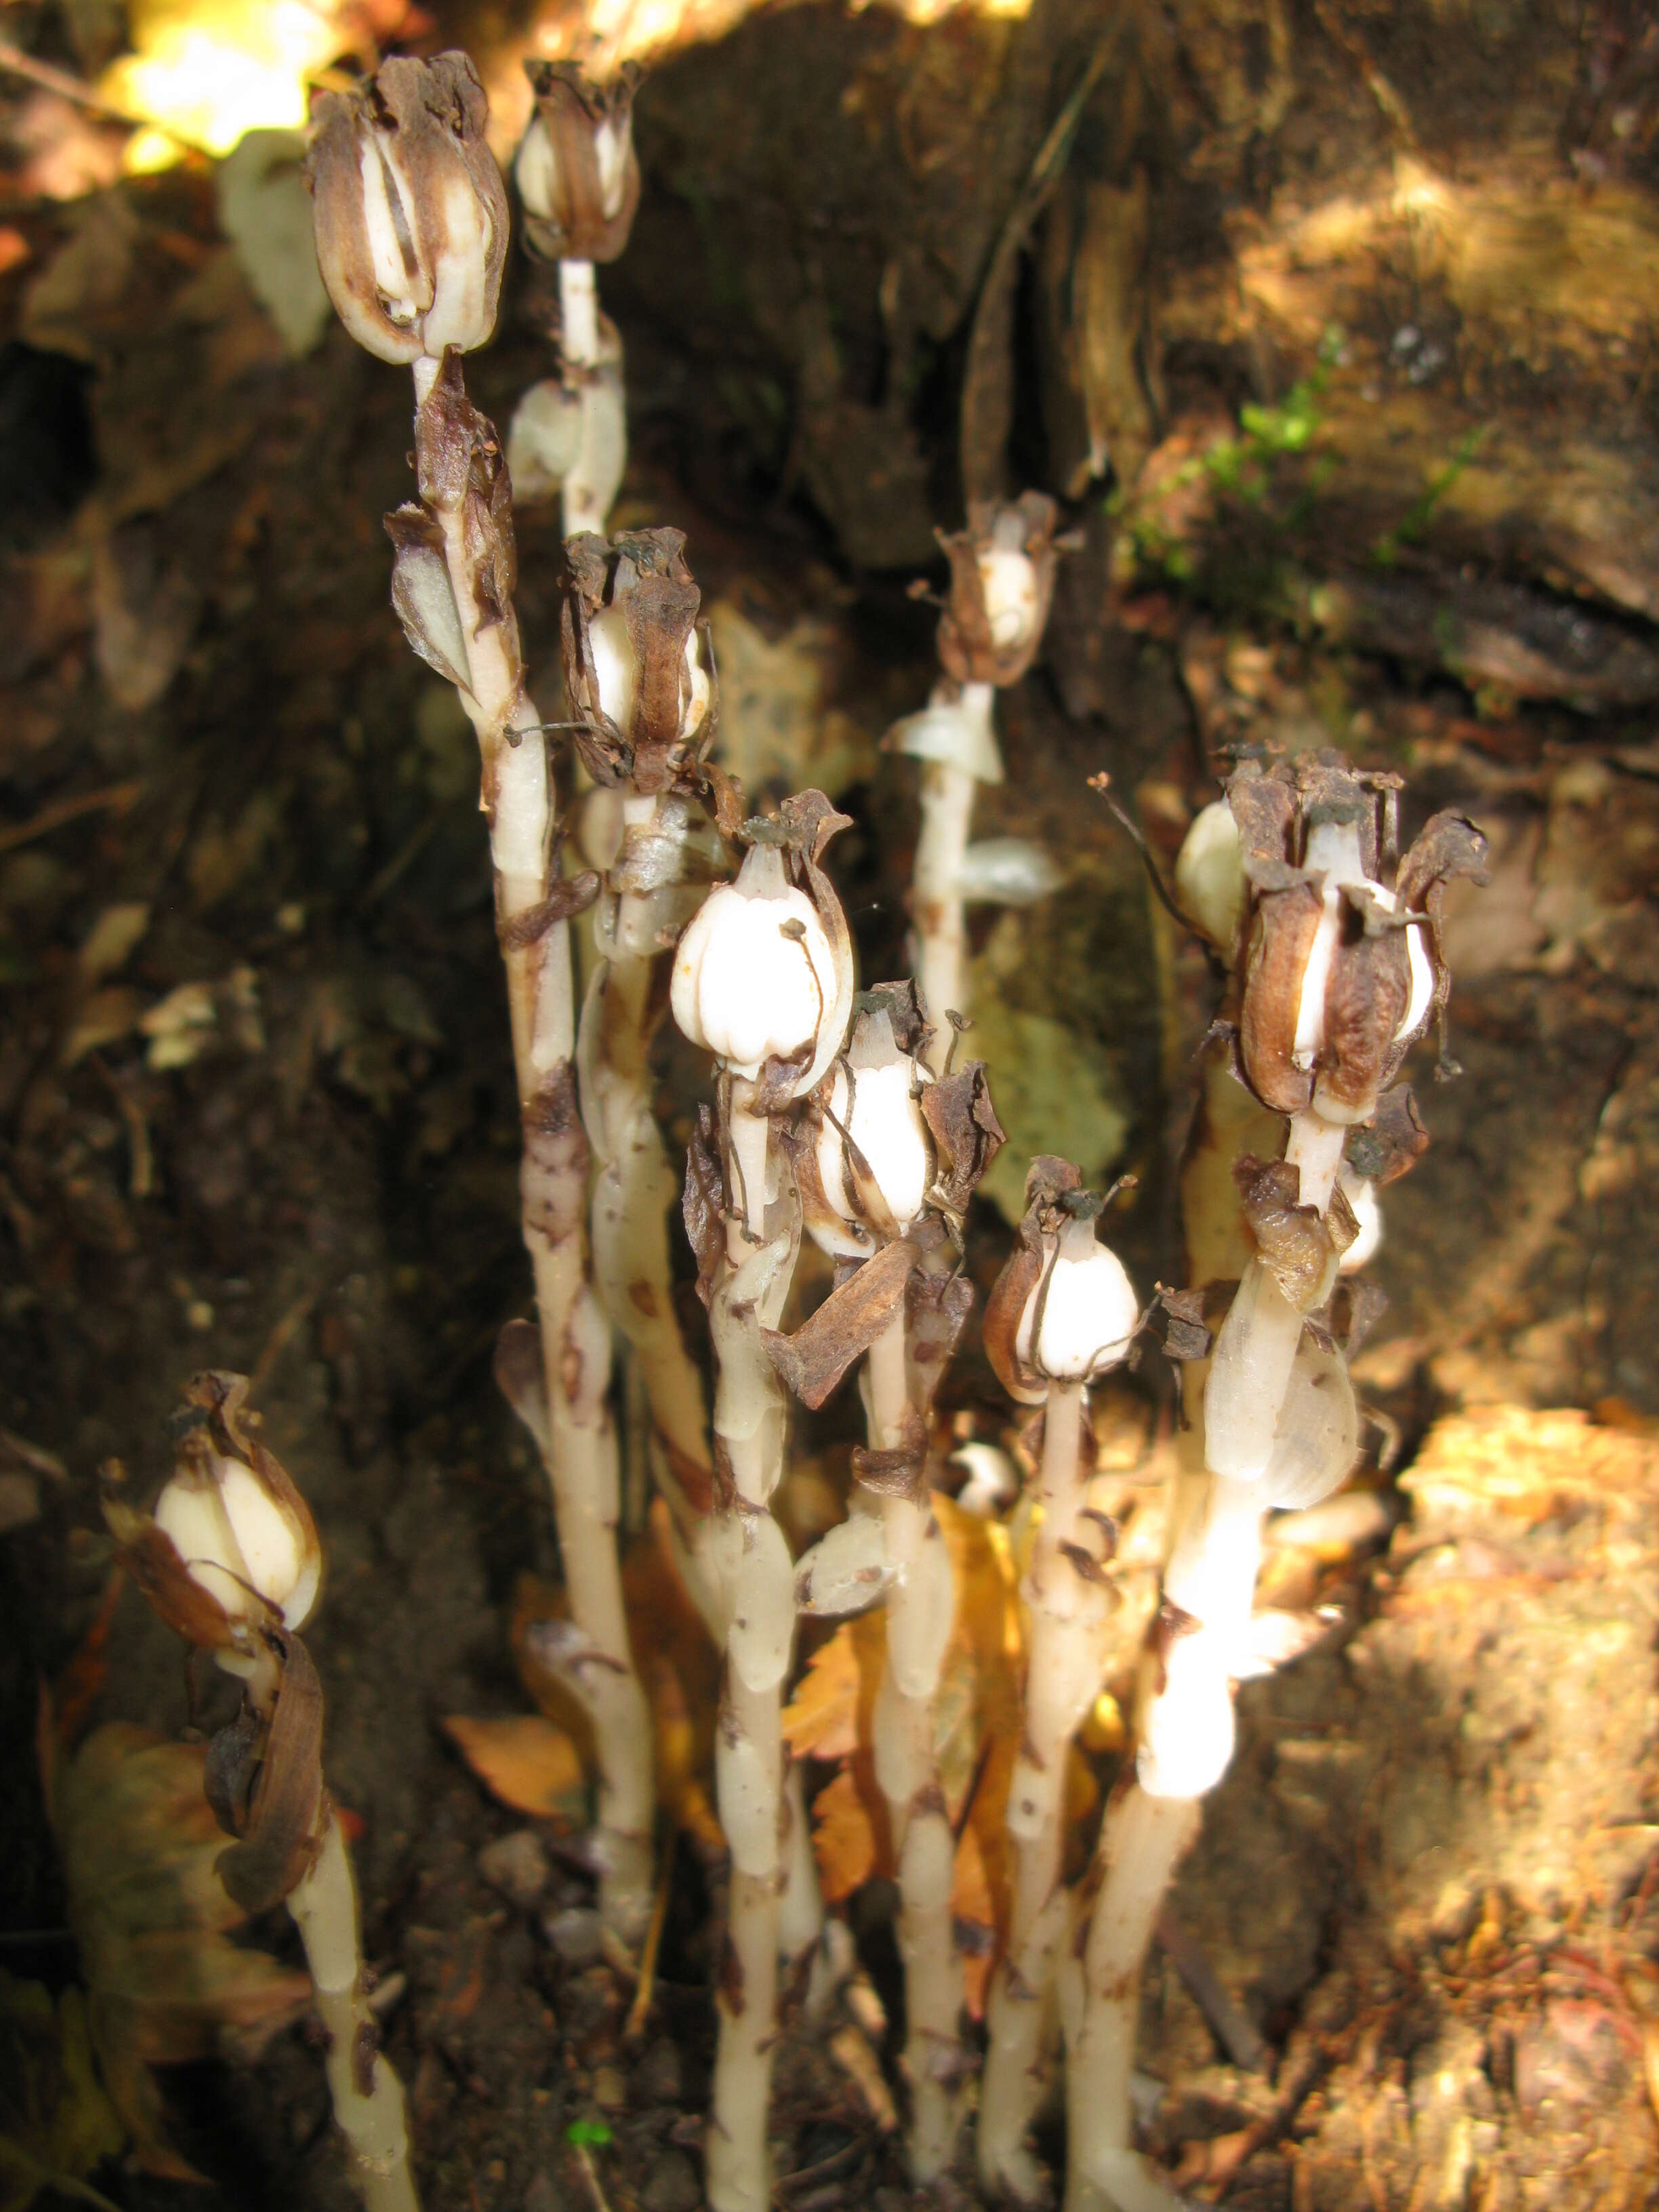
1338	970
1002	569
404	158
875	1162
230	1559
1063	1312
636	674
763	981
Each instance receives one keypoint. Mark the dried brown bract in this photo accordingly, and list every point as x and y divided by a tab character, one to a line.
463	483
1300	1246
958	1108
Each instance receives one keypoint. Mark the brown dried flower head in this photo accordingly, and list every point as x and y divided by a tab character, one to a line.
408	209
644	699
577	173
1342	963
1002	581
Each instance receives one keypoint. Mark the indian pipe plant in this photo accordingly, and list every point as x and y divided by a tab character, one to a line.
835	1115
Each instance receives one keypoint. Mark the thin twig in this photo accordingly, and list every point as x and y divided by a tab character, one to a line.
1126	822
119	797
634	2025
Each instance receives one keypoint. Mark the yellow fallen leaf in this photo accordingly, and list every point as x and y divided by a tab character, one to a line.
527	1761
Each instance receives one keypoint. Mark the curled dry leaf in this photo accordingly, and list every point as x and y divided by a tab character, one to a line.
958	1109
264	1782
814	1359
139	1846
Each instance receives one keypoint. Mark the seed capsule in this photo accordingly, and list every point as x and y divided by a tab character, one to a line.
408	209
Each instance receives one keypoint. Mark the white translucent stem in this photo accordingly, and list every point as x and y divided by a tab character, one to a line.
947	812
579	313
1186	1747
800	1906
1143	1839
750	1420
593	478
368	2098
739	2169
751	1161
634	1188
1060	1679
1256	1347
923	1845
517	800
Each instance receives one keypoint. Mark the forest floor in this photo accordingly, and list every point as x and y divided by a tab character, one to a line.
257	1112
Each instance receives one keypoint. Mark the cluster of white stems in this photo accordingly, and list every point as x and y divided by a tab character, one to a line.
411	236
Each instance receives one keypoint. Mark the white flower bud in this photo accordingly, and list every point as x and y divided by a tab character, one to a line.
877	1108
755	973
1080	1317
240	1542
1209	876
1013	602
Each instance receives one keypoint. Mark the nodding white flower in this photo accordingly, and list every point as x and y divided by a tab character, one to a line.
1209	875
1080	1317
875	1156
1002	582
239	1541
408	209
1013	601
755	974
